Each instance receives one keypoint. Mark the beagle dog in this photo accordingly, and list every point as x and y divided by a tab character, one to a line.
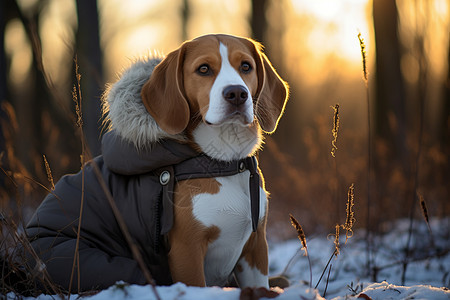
221	92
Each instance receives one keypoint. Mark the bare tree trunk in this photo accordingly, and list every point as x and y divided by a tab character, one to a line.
390	116
3	85
3	68
39	96
185	12
270	34
444	128
30	105
258	21
91	70
444	133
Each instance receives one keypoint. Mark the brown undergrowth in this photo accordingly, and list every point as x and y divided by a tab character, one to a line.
347	226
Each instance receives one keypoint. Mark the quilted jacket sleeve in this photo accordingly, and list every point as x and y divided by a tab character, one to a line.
98	270
104	257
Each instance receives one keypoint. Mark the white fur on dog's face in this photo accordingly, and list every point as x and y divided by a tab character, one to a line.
227	132
209	67
219	110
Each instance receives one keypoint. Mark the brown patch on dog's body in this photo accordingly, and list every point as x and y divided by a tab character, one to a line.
189	239
255	250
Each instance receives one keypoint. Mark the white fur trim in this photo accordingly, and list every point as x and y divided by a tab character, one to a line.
122	104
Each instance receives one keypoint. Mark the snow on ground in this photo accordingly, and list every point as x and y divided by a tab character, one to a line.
427	275
430	266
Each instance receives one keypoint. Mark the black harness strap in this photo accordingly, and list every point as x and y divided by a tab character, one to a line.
203	166
254	182
166	178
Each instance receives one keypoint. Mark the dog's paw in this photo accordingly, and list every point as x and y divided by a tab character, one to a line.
279	281
257	293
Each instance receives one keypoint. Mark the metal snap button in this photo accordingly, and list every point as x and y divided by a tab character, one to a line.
241	166
164	178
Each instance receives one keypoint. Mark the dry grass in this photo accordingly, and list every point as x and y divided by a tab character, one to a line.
335	130
49	173
300	233
363	57
424	209
337	245
302	237
350	219
348	226
369	155
77	99
18	275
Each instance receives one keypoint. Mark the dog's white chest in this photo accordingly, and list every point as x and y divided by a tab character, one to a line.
230	211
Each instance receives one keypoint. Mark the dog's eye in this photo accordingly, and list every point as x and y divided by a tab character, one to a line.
204	70
246	67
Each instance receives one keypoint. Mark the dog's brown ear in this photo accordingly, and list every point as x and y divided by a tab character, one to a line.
272	93
163	94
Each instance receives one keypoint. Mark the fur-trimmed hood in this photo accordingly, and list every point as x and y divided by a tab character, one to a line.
135	144
125	111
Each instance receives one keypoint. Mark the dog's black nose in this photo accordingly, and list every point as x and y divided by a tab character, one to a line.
235	94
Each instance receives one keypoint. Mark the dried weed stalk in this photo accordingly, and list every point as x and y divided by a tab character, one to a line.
424	209
49	174
302	237
300	233
335	129
350	220
369	154
337	245
123	227
76	97
364	58
348	226
76	94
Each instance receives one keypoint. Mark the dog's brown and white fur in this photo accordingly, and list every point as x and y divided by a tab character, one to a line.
218	93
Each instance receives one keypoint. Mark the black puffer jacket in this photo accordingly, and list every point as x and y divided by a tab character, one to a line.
132	154
105	257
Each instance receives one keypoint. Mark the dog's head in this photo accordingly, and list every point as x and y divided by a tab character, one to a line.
221	78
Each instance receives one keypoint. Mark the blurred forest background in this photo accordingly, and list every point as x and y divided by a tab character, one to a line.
314	46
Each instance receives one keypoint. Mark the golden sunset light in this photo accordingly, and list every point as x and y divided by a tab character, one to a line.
266	148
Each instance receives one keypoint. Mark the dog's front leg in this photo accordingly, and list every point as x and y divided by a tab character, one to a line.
251	269
186	260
